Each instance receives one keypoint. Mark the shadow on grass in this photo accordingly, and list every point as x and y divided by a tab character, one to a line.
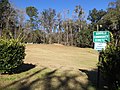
21	81
55	82
52	81
24	67
93	79
92	75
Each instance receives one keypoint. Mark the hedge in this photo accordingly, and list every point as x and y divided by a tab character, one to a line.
110	66
12	53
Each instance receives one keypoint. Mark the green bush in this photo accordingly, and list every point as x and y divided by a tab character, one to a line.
110	66
12	53
85	38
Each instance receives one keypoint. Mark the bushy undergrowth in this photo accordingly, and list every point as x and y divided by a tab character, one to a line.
12	53
85	39
110	66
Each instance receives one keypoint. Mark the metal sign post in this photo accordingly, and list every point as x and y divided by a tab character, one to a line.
99	39
98	73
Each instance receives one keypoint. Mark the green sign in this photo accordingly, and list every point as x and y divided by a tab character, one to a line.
101	36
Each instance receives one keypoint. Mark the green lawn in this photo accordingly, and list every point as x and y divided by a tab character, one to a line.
54	67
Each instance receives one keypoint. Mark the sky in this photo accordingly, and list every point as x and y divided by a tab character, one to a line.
62	5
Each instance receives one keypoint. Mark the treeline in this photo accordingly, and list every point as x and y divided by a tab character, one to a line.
49	26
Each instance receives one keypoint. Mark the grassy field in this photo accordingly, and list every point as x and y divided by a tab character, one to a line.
54	67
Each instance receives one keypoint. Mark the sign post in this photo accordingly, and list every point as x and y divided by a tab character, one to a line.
100	38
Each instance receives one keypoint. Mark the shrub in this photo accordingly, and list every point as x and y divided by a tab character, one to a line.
110	66
12	53
85	38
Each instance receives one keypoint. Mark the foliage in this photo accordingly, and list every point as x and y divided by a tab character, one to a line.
79	11
32	12
12	53
85	38
7	17
36	36
48	21
109	65
49	26
111	20
94	16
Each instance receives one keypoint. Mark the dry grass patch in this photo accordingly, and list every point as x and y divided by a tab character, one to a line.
57	67
61	56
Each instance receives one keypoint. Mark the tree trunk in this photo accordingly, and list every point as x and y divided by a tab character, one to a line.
71	37
15	33
0	30
50	36
50	39
67	36
59	38
116	41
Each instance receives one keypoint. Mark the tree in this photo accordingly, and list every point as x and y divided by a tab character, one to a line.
79	12
48	21
32	12
79	16
85	38
111	21
4	5
8	17
59	27
79	25
94	16
66	31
